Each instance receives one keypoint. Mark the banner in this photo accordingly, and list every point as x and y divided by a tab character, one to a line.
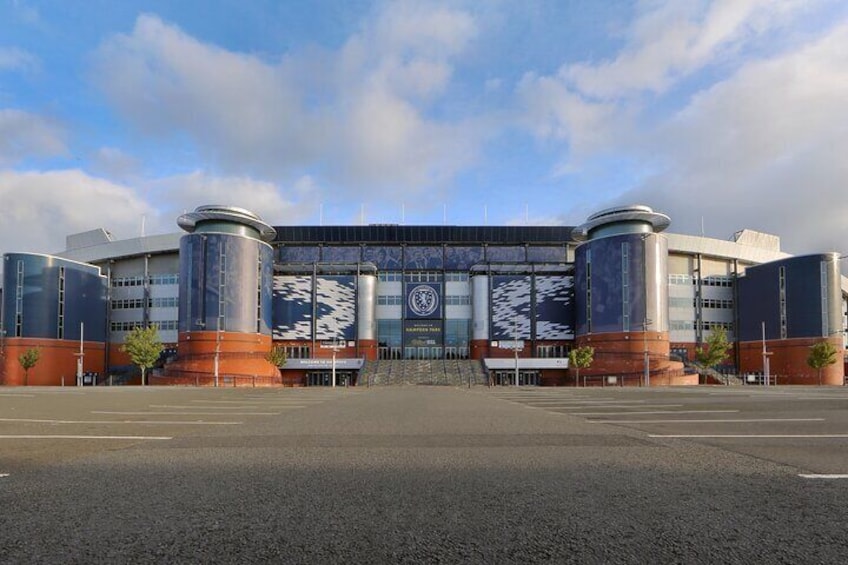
423	301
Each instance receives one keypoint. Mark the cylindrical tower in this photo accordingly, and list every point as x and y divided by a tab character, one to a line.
479	316
226	266
366	315
621	294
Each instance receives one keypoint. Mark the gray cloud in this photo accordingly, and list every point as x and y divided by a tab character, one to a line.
23	134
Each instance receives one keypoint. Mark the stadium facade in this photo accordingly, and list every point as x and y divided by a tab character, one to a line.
344	300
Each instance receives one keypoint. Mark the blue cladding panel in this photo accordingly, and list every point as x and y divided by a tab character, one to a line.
419	258
292	307
299	254
499	254
462	258
347	254
613	278
335	298
84	298
511	307
537	254
554	307
220	275
759	299
385	258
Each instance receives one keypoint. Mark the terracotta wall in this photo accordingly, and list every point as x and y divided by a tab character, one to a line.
788	361
58	360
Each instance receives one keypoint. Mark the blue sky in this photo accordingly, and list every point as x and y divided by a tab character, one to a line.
725	114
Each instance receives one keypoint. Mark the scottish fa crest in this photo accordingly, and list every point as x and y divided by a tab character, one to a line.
423	300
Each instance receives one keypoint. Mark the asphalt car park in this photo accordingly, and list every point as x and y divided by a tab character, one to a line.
424	474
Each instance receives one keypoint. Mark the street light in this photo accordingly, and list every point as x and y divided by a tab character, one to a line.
335	349
216	364
645	360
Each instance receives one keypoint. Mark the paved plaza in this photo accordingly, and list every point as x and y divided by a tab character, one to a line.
423	474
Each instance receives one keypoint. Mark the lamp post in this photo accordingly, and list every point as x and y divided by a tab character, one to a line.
515	338
216	364
645	357
335	348
766	376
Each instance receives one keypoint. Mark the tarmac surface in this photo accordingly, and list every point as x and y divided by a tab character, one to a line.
424	475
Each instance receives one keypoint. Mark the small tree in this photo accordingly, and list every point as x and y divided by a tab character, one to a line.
277	356
716	349
144	348
581	358
821	355
28	359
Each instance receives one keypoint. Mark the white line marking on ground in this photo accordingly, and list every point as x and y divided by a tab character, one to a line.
617	406
151	412
83	437
16	395
3	475
765	436
162	422
631	413
224	407
817	476
679	421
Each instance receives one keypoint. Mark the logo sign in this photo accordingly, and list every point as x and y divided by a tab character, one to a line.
423	301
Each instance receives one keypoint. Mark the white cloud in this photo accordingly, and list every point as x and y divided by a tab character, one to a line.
757	140
764	149
41	208
359	115
14	59
23	134
670	40
178	194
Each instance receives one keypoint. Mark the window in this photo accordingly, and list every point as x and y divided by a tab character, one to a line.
552	351
389	300
391	276
457	300
679	279
456	277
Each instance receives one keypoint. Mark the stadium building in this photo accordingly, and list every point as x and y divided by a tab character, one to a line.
428	304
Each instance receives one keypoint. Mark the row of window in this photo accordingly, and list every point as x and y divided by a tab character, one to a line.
678	302
715	280
139	281
689	325
450	300
161	325
133	303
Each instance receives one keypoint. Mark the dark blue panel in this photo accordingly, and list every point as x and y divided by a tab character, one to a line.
299	254
292	307
497	254
219	283
423	301
536	254
554	307
759	299
50	286
385	258
86	303
347	254
600	285
335	305
420	258
511	307
462	258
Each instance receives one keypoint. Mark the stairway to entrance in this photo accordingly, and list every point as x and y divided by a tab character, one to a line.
446	372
